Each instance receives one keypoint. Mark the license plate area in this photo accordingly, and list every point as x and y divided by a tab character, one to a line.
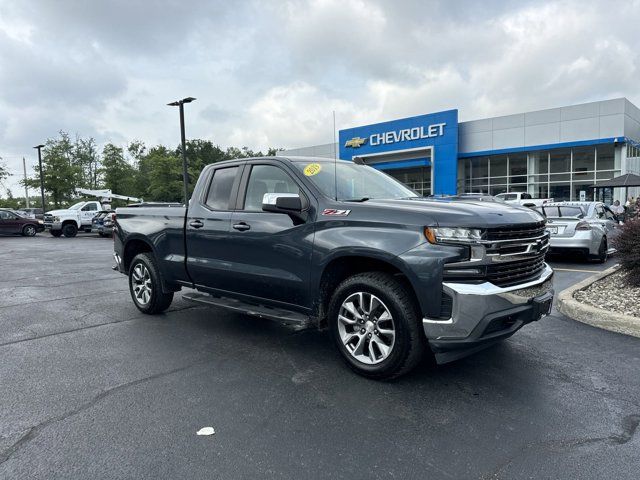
552	230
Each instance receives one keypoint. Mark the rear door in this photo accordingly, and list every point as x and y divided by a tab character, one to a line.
207	227
270	253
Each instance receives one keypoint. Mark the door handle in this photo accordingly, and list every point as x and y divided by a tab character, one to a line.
242	226
196	224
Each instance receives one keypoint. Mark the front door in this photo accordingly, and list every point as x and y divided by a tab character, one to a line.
9	222
87	213
207	229
270	253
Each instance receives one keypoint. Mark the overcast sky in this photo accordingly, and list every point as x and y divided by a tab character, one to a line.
269	73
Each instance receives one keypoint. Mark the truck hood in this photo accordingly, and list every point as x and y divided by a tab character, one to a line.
64	211
459	213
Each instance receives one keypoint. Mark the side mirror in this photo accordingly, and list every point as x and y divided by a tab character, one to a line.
282	203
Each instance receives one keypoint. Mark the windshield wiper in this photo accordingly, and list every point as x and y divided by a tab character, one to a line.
363	199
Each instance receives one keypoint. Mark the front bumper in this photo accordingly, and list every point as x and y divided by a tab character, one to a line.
581	241
483	314
53	225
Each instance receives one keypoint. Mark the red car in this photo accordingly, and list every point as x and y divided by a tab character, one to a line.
12	223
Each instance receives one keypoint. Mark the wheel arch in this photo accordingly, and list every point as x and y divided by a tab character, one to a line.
345	264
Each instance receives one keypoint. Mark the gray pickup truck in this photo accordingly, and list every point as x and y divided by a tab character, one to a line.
317	243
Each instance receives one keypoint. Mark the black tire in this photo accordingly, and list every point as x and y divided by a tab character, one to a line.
29	231
101	234
56	233
158	300
69	230
410	343
603	254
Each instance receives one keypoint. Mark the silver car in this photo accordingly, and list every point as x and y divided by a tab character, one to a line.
583	227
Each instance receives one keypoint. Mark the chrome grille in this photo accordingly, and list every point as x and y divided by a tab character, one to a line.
530	230
512	273
512	255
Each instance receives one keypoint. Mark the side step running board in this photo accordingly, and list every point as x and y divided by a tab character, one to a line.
295	319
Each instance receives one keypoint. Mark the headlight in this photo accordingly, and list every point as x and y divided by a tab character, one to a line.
40	222
56	219
452	234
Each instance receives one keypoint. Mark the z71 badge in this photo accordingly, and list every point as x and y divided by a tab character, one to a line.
335	213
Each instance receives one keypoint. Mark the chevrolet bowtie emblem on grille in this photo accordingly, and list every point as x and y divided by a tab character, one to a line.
355	142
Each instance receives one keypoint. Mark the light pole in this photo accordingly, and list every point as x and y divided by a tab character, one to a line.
185	174
39	147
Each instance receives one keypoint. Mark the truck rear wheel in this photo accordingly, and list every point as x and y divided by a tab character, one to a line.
145	285
69	230
376	325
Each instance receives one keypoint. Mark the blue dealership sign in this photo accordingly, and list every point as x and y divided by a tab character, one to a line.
436	130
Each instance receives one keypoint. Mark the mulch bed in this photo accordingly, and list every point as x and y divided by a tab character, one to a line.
613	294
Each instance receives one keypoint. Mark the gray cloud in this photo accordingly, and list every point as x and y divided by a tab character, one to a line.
270	73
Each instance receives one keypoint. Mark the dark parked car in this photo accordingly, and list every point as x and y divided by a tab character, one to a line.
310	242
102	223
14	223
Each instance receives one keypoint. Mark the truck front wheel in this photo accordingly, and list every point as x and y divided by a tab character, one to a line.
69	230
376	325
145	285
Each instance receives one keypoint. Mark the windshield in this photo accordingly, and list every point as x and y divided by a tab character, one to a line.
77	206
354	182
561	211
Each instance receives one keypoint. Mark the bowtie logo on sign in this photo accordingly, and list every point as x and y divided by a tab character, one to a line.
355	142
395	136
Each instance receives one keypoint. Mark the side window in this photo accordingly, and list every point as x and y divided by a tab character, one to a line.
599	211
267	179
219	193
90	207
4	215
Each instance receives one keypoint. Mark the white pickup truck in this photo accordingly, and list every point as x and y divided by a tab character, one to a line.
523	198
68	221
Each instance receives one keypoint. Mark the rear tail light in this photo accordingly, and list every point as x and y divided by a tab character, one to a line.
583	226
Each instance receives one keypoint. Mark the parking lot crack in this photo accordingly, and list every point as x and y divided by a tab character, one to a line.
630	425
34	431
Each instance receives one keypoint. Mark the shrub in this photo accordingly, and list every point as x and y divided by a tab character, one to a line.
627	243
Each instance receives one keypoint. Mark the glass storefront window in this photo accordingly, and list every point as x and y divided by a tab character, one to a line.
498	166
559	192
584	160
480	167
551	173
518	168
418	179
606	157
586	188
560	160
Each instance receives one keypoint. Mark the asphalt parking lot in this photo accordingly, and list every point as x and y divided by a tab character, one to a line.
91	388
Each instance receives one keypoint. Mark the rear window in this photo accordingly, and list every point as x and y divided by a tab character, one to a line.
219	194
561	211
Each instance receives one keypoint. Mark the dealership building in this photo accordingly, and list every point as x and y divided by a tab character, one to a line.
559	152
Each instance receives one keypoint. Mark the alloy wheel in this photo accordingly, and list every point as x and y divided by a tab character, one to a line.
141	284
366	328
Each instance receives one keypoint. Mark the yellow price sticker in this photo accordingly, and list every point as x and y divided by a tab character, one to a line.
312	169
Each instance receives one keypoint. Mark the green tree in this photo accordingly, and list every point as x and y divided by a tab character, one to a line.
117	174
62	175
85	156
164	173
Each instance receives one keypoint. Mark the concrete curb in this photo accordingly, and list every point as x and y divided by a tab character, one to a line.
594	316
